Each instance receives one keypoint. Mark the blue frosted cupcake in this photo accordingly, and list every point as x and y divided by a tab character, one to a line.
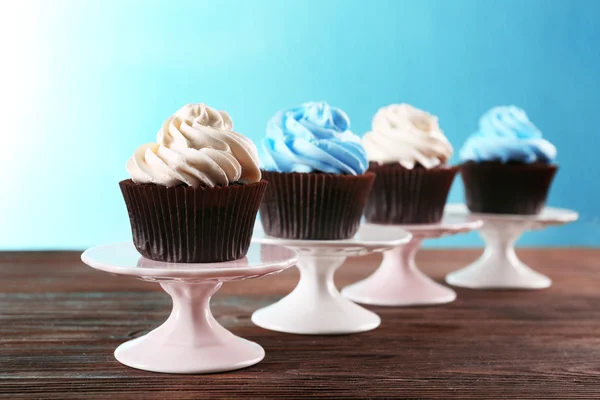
507	167
316	169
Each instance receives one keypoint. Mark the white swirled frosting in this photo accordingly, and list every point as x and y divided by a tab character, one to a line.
196	147
404	134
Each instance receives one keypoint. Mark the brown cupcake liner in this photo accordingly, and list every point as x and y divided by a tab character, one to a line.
192	225
493	187
314	206
408	196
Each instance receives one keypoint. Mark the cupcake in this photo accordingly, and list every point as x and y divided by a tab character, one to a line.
408	152
507	167
316	168
193	195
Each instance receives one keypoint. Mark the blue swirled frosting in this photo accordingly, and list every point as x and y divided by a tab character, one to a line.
506	135
313	137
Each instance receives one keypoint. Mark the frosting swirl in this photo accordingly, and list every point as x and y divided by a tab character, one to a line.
313	137
506	135
404	134
196	147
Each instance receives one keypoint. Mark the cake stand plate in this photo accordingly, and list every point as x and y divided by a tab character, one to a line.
315	306
499	267
191	341
398	281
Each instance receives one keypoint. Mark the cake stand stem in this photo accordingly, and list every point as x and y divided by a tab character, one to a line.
316	278
500	244
399	282
499	267
315	306
190	340
191	322
402	259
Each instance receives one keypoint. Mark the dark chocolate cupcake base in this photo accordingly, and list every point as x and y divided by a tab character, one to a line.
314	206
192	225
408	196
496	188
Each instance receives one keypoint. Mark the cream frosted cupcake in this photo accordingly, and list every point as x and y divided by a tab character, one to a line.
193	195
408	152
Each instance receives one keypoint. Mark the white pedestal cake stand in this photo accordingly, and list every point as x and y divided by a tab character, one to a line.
398	281
315	306
191	340
499	267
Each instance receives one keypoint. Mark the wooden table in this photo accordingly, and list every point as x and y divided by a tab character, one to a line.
61	321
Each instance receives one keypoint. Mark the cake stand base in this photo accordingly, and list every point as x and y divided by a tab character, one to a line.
315	306
499	267
398	281
191	341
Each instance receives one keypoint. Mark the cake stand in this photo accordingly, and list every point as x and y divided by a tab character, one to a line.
315	306
499	267
398	281
191	340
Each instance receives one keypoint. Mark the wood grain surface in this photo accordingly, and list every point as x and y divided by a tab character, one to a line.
61	321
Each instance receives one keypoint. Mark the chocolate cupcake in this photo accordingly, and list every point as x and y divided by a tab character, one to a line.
193	196
408	153
315	167
507	167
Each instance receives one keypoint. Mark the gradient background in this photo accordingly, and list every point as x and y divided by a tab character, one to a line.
84	83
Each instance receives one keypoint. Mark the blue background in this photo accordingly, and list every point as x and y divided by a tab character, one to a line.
85	83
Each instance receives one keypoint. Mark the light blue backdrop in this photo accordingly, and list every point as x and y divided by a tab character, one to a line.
88	82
